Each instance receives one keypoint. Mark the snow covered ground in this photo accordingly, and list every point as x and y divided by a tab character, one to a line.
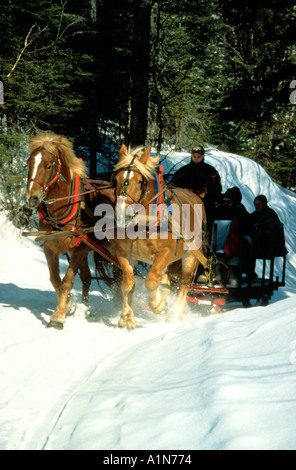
218	382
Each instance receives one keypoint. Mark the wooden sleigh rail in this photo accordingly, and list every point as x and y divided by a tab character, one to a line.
50	235
43	235
78	235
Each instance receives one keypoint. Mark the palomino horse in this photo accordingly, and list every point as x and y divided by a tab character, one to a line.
55	182
135	180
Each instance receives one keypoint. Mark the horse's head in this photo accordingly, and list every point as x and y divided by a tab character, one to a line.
44	170
133	173
130	177
52	160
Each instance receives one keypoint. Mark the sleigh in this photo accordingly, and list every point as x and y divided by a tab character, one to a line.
215	295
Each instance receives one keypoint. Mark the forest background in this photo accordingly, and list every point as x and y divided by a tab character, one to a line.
166	73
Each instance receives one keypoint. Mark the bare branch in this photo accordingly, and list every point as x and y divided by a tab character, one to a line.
27	43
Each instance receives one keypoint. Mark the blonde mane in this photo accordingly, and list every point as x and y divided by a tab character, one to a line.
52	142
145	169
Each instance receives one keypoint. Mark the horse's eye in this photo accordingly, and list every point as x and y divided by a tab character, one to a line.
49	166
141	182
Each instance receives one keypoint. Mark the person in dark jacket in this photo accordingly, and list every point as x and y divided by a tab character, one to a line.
204	180
236	244
267	225
201	178
232	208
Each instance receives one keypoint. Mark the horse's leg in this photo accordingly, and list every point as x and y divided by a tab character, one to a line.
52	259
57	320
127	286
165	284
188	268
116	287
85	276
157	302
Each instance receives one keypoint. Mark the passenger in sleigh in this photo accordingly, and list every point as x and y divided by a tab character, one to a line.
235	232
267	240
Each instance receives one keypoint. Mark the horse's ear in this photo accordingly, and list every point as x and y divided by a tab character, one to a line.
146	155
31	137
122	151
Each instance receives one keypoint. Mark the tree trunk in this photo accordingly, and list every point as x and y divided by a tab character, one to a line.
93	128
140	73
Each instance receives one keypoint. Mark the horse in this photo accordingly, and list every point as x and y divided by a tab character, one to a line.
136	184
56	179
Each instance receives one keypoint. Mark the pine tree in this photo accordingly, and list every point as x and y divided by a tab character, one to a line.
182	73
255	116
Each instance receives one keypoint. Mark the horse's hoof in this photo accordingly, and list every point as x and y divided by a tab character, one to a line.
56	325
130	324
160	309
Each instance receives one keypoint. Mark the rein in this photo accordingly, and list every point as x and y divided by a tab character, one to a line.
92	190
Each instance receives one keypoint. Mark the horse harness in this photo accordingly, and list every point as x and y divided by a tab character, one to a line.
74	208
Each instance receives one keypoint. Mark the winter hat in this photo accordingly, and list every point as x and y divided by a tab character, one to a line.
261	198
198	149
234	194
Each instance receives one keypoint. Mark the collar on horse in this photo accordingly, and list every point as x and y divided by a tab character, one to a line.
72	208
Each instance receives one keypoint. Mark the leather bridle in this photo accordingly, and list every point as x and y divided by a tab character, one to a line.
124	187
55	172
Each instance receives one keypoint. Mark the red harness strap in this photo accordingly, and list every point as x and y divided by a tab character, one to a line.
75	204
161	190
94	246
